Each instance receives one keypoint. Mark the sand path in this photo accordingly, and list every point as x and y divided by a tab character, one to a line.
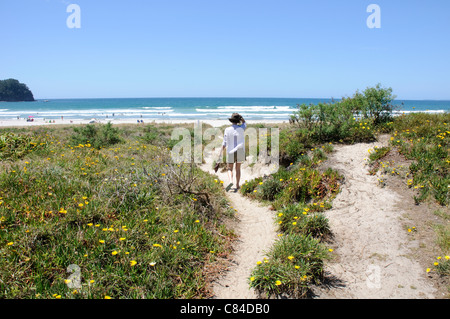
372	249
256	230
372	252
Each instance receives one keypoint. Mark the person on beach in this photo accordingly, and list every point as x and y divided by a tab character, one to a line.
234	144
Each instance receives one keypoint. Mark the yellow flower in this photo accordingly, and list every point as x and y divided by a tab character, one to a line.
294	223
114	253
297	267
10	244
436	263
252	278
330	250
80	204
101	241
291	257
133	263
58	296
428	270
197	221
107	297
122	238
157	245
67	281
258	263
277	283
90	224
176	231
152	264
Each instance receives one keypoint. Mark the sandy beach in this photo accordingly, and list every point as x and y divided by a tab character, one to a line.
40	122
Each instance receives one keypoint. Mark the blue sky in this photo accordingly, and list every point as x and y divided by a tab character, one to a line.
226	48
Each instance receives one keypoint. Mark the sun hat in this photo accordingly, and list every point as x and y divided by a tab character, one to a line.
235	118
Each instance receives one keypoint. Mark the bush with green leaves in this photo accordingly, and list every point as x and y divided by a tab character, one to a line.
293	263
350	120
17	145
98	136
304	219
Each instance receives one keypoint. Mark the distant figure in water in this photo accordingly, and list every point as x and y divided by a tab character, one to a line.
234	144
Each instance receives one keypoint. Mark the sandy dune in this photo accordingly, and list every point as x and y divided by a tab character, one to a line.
372	254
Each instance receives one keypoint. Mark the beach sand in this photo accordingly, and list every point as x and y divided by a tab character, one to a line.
40	122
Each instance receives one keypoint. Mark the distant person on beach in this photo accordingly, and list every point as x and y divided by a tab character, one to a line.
234	144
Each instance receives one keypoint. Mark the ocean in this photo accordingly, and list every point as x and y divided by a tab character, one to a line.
180	108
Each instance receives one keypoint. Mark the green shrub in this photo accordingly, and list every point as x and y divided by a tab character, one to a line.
301	219
293	263
375	103
350	120
98	136
15	146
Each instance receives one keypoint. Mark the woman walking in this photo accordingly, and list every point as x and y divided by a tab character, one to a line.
234	143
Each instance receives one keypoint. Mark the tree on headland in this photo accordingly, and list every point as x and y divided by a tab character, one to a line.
11	90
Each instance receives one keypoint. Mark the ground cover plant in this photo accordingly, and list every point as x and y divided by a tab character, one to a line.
302	191
300	194
425	139
118	220
422	140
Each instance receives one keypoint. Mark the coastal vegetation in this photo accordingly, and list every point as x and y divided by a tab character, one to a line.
101	211
302	191
11	90
130	222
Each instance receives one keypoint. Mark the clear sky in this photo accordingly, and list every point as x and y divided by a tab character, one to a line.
226	48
